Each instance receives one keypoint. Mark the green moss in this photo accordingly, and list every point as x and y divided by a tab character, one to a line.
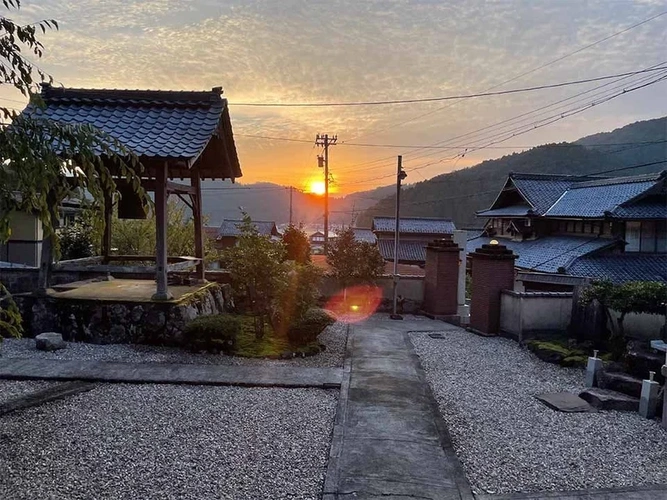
577	360
549	346
191	298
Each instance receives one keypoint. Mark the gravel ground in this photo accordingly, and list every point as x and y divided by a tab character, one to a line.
10	389
169	442
334	338
509	442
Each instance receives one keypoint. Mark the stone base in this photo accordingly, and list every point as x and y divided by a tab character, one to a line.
105	320
604	399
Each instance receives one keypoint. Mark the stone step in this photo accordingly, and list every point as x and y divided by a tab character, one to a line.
640	362
620	382
605	399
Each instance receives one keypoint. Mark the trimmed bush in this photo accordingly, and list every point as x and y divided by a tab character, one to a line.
213	333
311	324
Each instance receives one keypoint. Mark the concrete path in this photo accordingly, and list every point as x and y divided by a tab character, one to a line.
389	439
170	373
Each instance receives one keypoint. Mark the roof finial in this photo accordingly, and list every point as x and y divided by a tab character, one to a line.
218	90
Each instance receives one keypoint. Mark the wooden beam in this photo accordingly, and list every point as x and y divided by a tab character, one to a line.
172	187
195	181
162	291
106	238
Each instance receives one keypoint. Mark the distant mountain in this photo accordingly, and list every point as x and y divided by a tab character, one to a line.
267	201
458	195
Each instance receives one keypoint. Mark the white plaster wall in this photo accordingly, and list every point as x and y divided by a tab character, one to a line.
534	311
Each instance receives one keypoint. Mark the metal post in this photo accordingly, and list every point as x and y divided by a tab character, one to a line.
400	175
326	141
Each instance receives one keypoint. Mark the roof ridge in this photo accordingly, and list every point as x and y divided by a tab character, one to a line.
555	177
630	179
50	93
412	218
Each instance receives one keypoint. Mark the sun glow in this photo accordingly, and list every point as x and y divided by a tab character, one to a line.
316	187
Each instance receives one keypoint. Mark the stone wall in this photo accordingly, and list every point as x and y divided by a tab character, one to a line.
106	322
524	315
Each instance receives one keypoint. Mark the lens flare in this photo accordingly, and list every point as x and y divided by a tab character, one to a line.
355	304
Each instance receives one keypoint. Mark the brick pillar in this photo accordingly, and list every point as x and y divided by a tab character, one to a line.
492	271
442	278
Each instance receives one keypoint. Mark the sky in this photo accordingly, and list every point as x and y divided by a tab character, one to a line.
290	51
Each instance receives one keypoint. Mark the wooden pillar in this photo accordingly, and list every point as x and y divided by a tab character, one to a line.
48	241
195	181
106	238
162	292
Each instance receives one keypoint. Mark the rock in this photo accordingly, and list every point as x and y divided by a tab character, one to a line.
605	399
49	341
620	382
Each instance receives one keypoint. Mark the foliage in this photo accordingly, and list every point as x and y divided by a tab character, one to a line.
137	236
646	297
353	262
258	271
269	346
309	326
301	293
10	317
213	333
82	237
297	246
41	161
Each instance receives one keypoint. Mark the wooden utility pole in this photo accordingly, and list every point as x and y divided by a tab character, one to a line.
325	141
400	175
291	189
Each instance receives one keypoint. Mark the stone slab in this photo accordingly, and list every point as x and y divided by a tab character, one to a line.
648	492
45	395
605	399
565	402
170	373
390	442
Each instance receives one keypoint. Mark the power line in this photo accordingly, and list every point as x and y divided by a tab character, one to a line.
446	98
521	75
629	168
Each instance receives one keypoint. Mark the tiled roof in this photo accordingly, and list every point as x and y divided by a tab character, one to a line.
210	232
549	253
153	124
365	235
231	228
622	267
414	225
408	251
593	199
511	211
651	209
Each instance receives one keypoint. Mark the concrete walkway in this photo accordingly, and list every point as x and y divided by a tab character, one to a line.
169	373
389	439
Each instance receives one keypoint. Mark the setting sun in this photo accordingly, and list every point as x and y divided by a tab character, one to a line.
317	187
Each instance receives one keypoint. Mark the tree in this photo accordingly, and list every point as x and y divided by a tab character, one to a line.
10	317
258	271
297	246
43	161
353	262
641	297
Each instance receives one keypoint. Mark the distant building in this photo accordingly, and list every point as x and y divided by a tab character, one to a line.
414	234
228	233
360	234
565	228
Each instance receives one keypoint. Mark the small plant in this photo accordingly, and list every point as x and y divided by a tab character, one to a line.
306	330
213	333
10	317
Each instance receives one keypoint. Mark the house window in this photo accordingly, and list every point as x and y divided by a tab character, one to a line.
570	227
648	236
661	238
632	236
587	227
578	226
597	228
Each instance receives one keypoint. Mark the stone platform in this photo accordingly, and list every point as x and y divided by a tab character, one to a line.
118	311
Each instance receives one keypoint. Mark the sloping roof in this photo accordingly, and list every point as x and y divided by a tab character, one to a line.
231	228
622	267
154	124
408	251
541	191
549	253
511	211
414	225
211	232
650	209
593	199
365	235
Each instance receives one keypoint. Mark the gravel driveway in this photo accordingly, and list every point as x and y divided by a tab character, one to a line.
334	337
509	442
169	442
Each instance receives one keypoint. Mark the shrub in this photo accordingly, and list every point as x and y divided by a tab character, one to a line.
297	298
10	317
311	324
213	333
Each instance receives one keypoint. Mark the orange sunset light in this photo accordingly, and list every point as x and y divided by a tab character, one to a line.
316	187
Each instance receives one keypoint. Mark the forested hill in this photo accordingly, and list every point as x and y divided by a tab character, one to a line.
458	195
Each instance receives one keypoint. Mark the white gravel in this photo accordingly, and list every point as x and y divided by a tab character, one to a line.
11	389
169	442
510	442
334	337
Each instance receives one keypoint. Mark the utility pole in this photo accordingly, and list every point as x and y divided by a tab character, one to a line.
325	141
400	175
291	189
